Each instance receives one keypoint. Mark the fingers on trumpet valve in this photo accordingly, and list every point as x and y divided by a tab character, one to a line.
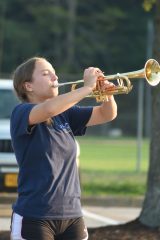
105	84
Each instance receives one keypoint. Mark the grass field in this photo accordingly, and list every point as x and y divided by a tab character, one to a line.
108	166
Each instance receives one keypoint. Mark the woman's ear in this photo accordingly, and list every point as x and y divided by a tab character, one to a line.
28	86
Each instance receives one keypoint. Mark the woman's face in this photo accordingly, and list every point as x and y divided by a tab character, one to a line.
44	79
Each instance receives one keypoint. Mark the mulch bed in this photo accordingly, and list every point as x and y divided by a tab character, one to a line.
133	230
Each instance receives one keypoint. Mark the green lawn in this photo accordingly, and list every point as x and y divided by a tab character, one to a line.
108	166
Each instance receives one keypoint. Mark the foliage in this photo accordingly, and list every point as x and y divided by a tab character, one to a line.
148	4
97	34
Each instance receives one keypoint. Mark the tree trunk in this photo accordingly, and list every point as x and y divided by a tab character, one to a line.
150	214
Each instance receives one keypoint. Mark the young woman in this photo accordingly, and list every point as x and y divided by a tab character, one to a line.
43	127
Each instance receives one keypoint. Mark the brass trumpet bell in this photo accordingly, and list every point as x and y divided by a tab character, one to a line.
152	72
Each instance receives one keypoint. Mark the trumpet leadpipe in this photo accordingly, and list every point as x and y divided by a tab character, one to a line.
68	83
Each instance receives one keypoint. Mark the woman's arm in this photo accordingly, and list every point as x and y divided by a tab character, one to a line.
56	105
106	112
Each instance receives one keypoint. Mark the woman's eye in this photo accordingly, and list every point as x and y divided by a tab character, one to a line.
45	73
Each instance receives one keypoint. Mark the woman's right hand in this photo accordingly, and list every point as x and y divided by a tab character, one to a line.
90	76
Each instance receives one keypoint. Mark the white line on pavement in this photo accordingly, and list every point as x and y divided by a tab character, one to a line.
99	218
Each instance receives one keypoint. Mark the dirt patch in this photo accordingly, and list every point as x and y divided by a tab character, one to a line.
133	230
130	231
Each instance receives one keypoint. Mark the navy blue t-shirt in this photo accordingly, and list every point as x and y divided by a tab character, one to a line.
48	181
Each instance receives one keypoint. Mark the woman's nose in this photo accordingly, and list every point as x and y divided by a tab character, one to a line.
54	77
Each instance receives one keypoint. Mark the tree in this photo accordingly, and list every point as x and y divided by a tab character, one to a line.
150	214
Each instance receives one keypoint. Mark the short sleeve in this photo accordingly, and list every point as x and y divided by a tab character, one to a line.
19	119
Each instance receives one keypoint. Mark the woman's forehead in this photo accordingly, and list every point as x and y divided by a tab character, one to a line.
43	64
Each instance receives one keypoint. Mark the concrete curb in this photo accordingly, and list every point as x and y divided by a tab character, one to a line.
7	198
112	201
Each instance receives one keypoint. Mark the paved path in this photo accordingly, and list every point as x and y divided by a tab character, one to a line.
95	216
103	216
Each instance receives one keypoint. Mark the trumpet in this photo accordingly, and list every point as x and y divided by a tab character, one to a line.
150	72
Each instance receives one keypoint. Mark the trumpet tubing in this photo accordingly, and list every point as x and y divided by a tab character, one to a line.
151	72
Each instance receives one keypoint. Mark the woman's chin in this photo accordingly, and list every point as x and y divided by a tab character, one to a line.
55	92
